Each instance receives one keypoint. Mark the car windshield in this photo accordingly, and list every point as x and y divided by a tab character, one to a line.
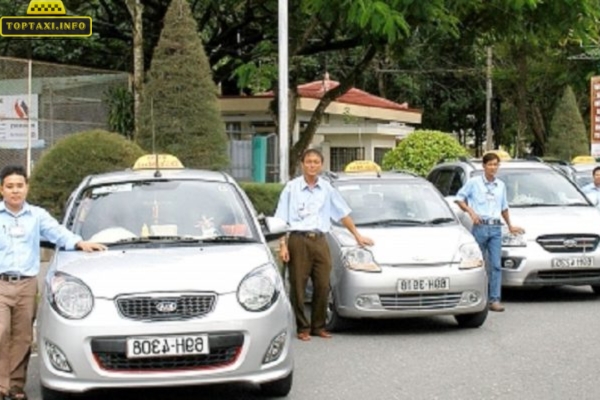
395	203
538	188
162	210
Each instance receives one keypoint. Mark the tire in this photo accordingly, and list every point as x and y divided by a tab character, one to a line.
278	388
334	321
596	289
50	394
472	320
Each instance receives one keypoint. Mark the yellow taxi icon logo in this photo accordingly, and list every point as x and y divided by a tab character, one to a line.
46	7
583	160
502	155
157	161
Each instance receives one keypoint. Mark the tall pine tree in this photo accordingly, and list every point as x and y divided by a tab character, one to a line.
179	99
568	136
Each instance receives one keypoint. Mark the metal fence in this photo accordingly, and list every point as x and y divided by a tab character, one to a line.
48	102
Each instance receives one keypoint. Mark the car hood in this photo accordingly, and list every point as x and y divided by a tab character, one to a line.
556	220
411	245
209	268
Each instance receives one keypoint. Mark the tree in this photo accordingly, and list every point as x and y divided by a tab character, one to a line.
421	150
568	136
179	100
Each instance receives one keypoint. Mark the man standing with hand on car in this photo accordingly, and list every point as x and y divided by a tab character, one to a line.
21	226
308	204
483	198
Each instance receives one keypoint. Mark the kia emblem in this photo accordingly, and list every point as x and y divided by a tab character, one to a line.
166	306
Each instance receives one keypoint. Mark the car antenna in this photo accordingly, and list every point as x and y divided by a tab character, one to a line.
157	173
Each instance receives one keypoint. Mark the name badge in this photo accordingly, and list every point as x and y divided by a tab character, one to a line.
17	231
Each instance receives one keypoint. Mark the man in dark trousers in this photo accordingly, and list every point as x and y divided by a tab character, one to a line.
484	199
308	204
21	226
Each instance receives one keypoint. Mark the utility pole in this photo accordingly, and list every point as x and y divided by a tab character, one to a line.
284	135
489	133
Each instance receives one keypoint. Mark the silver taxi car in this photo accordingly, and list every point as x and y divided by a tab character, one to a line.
423	263
562	226
186	294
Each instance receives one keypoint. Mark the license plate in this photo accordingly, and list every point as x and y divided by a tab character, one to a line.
423	285
572	262
163	346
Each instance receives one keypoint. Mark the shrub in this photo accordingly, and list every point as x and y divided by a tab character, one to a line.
65	165
264	196
421	150
568	135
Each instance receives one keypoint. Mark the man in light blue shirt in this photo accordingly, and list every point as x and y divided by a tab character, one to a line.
21	226
592	190
483	198
308	204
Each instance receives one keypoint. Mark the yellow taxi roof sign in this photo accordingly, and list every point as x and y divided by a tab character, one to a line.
46	7
165	161
503	155
362	166
583	160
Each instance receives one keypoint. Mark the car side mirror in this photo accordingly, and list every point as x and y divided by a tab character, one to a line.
273	228
463	217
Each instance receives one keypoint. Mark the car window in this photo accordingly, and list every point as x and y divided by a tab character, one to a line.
127	210
534	187
444	180
457	182
387	200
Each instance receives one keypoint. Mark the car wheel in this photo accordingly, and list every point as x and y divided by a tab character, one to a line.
334	322
50	394
278	388
596	289
472	320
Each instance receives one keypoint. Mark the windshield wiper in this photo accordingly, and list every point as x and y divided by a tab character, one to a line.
227	238
577	205
441	220
151	239
392	222
525	205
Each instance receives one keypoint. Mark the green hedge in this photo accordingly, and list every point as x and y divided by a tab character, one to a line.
264	196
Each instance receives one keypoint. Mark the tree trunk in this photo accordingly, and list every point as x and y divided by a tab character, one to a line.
135	8
346	83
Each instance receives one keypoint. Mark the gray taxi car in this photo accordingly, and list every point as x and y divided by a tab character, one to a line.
188	292
562	225
423	263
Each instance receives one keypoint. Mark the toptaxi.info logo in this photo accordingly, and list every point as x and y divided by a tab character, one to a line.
46	18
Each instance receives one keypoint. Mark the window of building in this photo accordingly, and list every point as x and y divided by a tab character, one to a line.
380	153
342	156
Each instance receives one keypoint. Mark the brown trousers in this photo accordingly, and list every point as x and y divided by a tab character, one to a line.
17	312
309	257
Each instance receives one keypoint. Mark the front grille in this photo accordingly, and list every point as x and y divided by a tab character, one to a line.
569	243
561	275
160	308
217	358
111	355
429	301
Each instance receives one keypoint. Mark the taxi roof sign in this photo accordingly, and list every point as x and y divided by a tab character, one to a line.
362	166
503	155
46	7
583	160
165	161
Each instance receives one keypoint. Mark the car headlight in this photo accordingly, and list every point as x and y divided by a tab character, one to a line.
69	296
511	240
260	288
469	255
359	259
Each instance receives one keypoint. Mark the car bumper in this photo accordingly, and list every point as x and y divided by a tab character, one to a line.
532	266
467	293
243	338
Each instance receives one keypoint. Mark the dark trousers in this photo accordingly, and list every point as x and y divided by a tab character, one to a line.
309	257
